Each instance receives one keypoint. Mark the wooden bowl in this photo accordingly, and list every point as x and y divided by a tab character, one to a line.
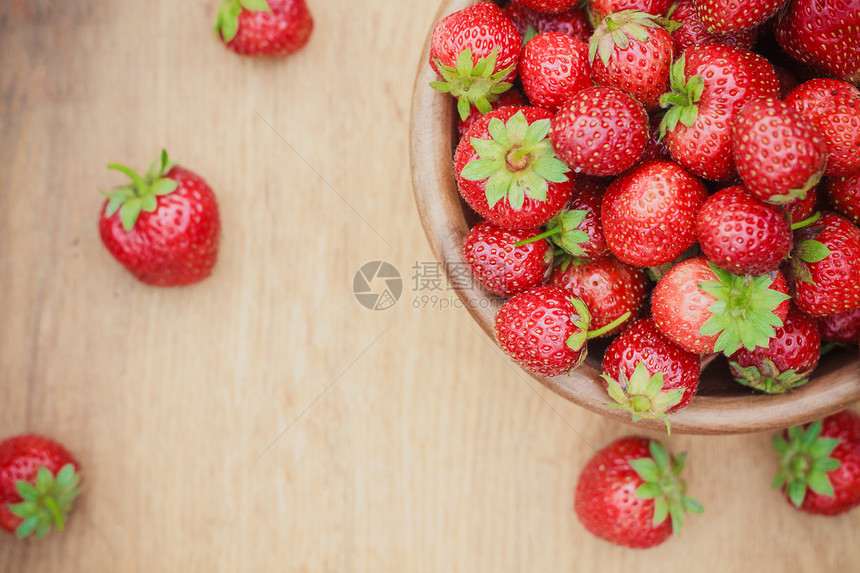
721	406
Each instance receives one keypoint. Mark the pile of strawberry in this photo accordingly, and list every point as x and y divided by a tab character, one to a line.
678	176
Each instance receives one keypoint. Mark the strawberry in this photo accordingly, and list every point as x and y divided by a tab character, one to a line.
163	227
655	147
704	309
545	330
553	67
834	107
787	361
802	209
548	6
788	82
649	213
38	485
529	23
779	155
823	33
819	469
600	131
635	55
264	27
627	491
649	375
476	51
502	267
609	288
722	16
511	98
742	234
507	171
600	9
843	192
692	31
711	83
842	328
825	266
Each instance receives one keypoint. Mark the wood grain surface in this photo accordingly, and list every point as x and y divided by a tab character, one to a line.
264	420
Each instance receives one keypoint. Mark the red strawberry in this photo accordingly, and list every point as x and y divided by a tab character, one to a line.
725	16
600	9
823	33
501	266
843	192
163	227
264	27
779	155
649	375
627	491
635	55
507	171
787	361
609	288
842	328
693	31
655	147
705	309
788	82
825	266
600	131
742	234
649	213
548	6
511	98
38	485
553	67
711	83
802	209
545	330
819	468
834	107
529	23
476	51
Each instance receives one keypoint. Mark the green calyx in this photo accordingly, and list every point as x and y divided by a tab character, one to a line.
47	503
768	378
517	162
227	20
564	232
662	476
142	193
577	340
804	462
473	84
808	250
642	395
616	30
799	193
682	100
743	312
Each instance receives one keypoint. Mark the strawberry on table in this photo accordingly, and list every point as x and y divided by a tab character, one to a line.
820	464
631	494
723	16
38	485
692	31
843	192
553	67
264	27
507	170
530	23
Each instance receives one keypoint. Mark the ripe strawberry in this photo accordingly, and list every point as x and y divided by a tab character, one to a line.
742	234
264	27
529	23
823	33
38	485
825	266
545	330
649	213
788	82
600	9
649	375
609	288
693	31
779	155
628	489
502	267
711	83
600	131
787	361
819	468
163	227
635	55
802	209
843	192
476	51
842	328
733	16
507	171
704	309
834	107
553	67
549	6
511	98
655	147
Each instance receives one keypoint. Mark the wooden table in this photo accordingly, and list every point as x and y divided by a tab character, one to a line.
264	420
